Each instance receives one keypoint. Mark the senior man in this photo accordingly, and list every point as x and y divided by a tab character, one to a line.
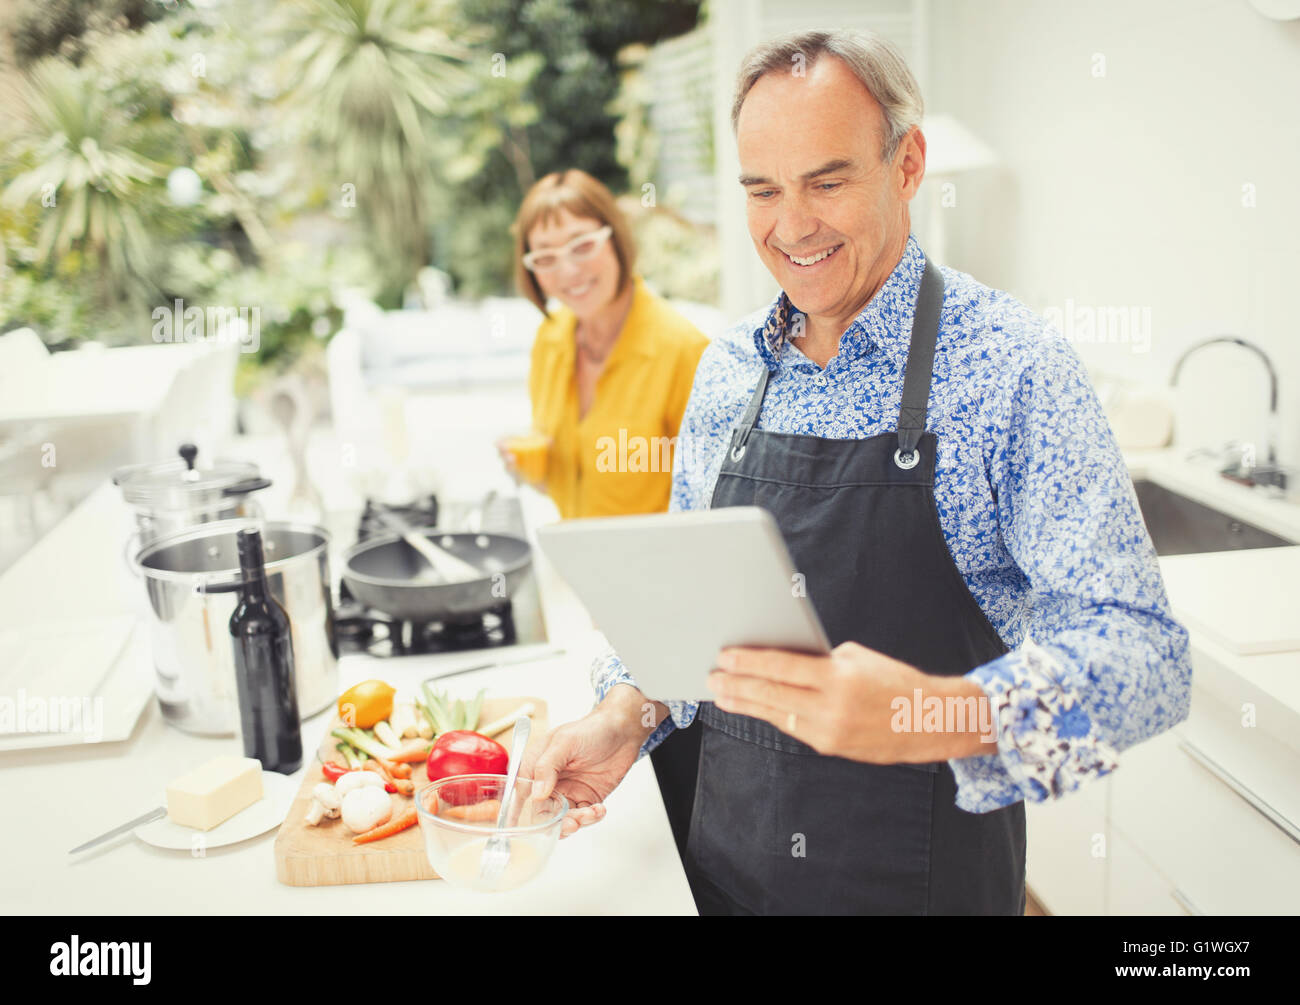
946	481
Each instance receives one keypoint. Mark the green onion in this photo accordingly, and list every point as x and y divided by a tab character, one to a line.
349	757
386	735
365	743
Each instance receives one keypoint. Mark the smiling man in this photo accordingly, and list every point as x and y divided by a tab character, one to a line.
947	483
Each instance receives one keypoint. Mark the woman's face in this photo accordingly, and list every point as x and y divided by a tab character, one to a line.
583	287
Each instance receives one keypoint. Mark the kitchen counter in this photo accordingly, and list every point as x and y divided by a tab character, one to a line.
627	864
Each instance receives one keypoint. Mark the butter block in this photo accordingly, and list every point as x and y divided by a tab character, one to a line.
215	792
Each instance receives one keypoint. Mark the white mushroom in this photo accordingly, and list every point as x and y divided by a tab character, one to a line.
366	808
329	798
325	802
356	780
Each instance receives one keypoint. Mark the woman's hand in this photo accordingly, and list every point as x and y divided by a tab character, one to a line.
585	760
508	458
512	465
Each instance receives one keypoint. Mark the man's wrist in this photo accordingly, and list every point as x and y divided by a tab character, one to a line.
632	711
966	727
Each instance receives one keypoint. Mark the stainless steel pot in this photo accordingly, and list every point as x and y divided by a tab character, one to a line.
171	496
192	577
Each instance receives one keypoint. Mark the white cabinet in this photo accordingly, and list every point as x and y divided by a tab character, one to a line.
1224	855
1066	850
1134	886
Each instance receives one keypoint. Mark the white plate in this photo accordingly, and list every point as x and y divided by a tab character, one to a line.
264	815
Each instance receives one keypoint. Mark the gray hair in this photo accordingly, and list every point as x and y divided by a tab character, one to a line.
874	60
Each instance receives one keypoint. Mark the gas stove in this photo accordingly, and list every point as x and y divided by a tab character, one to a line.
517	621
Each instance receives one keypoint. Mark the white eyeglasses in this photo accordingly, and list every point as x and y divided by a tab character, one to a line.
581	248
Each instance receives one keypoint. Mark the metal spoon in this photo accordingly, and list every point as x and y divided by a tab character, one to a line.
446	565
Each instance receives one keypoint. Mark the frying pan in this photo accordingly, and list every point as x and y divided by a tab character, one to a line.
386	573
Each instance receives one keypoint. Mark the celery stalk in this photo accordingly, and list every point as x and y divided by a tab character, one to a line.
424	710
437	705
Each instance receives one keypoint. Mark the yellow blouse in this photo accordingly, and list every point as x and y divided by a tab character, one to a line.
618	458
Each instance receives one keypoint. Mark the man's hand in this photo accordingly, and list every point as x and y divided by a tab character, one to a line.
584	760
856	703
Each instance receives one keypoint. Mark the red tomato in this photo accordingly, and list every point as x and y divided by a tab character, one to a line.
464	752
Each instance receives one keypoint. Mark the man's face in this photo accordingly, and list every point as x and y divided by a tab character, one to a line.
817	191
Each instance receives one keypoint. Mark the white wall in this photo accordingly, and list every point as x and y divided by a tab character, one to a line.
1127	189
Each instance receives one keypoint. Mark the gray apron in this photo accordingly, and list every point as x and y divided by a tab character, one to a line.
777	828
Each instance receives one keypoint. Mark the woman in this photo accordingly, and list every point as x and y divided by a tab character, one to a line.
612	366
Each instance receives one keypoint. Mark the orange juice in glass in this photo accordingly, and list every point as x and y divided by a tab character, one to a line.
529	451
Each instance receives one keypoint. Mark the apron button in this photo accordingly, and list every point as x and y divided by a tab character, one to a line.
908	461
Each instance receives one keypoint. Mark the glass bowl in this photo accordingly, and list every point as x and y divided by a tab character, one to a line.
458	815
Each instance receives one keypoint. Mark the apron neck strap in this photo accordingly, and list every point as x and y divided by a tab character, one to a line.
750	417
920	360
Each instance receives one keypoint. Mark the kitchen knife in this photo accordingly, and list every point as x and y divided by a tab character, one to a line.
155	814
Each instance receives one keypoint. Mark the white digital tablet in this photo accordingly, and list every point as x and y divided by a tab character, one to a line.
670	590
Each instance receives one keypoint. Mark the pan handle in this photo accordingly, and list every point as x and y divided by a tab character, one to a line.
244	487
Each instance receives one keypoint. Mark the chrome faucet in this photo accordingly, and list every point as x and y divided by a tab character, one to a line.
1246	469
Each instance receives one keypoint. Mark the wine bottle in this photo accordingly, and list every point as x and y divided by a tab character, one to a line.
264	677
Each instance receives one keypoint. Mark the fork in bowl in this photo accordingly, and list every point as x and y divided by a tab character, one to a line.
496	853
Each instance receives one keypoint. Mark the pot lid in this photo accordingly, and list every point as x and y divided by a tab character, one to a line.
179	483
209	551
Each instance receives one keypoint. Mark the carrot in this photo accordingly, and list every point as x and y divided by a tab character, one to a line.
486	810
405	786
413	753
408	818
381	768
402	771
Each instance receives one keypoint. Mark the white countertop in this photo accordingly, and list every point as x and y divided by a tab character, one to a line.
58	798
627	864
1276	673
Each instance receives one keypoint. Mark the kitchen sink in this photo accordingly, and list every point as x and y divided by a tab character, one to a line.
1182	526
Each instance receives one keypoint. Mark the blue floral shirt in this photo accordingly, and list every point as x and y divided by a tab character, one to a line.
1034	498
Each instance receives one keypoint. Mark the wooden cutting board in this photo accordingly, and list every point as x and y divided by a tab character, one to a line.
324	855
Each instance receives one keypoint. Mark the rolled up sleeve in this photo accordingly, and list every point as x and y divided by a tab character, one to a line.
1104	665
